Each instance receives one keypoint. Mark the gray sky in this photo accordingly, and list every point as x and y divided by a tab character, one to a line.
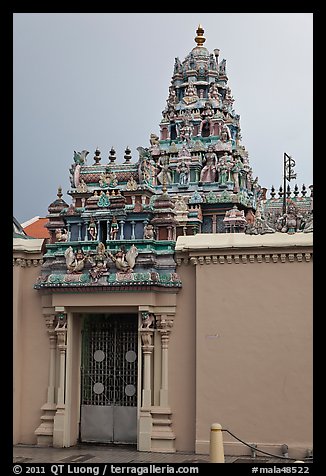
87	80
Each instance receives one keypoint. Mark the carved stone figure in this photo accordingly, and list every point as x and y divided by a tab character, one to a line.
236	170
213	92
172	99
191	90
92	230
184	171
164	167
148	232
153	139
259	225
206	127
114	229
290	221
186	131
99	263
125	261
75	262
147	320
61	234
208	173
223	170
80	157
309	224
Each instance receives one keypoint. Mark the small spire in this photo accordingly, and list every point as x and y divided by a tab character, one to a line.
200	39
59	194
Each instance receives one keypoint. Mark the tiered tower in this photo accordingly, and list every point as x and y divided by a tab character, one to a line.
124	219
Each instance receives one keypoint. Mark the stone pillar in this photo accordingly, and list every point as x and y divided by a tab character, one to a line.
61	332
147	348
122	223
86	230
69	231
79	230
133	223
164	324
163	437
214	229
145	417
108	230
44	432
98	230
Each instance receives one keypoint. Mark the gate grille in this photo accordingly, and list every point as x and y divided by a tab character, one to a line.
109	361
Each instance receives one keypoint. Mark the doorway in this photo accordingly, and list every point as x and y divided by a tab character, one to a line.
109	379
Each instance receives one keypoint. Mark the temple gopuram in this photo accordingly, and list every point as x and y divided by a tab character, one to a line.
175	293
125	217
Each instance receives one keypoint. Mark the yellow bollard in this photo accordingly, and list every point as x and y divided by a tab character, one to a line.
216	449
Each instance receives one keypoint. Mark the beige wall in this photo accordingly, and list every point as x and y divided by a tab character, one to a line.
253	369
255	379
240	350
31	350
182	363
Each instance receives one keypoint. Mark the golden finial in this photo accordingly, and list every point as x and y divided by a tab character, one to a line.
200	39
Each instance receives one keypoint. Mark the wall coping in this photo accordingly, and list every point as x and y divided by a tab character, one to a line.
203	241
33	245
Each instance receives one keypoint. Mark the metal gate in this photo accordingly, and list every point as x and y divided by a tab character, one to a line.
109	379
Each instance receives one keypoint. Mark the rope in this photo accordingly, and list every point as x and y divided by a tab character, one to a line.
256	449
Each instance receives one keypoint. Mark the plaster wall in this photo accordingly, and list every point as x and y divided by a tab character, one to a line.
31	354
254	353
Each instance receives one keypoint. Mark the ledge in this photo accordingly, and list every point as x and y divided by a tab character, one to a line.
33	245
203	241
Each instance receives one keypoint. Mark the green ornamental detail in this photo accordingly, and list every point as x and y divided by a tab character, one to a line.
211	197
142	276
55	278
225	197
103	201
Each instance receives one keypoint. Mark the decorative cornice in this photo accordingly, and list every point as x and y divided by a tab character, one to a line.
27	262
242	258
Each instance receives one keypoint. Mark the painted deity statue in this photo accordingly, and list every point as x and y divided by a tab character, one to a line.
125	261
164	167
222	168
99	263
290	221
213	92
114	229
61	234
206	127
191	90
236	171
148	232
184	171
92	230
75	262
208	173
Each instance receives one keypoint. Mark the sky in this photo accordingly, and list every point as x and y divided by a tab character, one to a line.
88	80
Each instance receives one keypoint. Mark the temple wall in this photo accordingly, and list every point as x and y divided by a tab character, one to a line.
240	349
182	362
253	370
30	349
